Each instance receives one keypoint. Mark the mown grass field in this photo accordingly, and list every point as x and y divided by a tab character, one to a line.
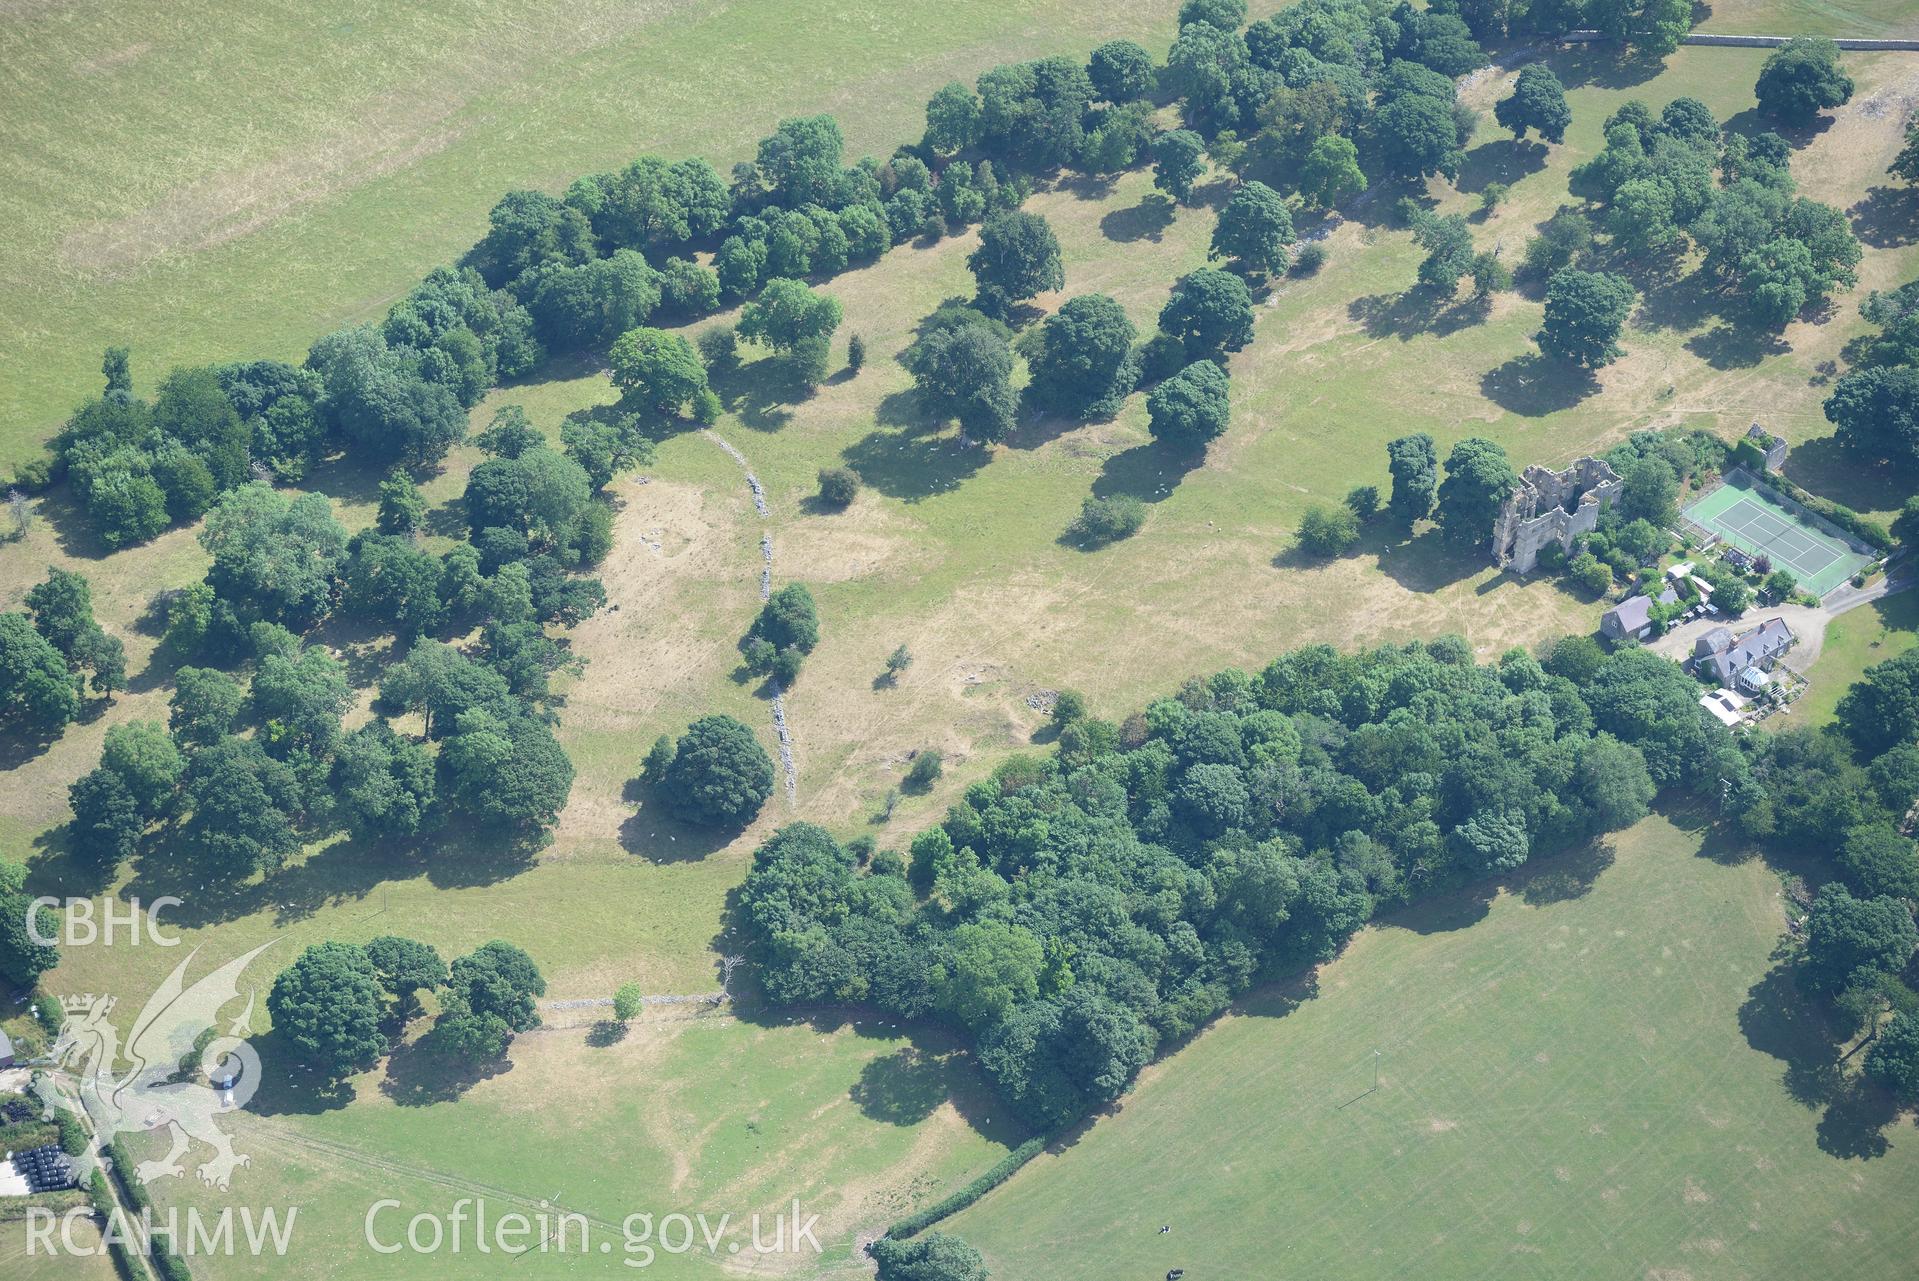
952	552
684	1114
42	1266
1855	641
229	180
1601	1073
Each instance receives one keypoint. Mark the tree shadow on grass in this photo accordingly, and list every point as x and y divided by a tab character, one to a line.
1417	311
1829	469
57	871
606	1033
22	743
1853	1127
1562	877
1751	122
1533	386
351	476
1779	1021
914	464
658	837
1504	160
1429	562
1149	472
72	529
423	1072
1888	217
1087	186
1603	65
1677	302
758	392
906	1086
1732	345
1147	220
287	1089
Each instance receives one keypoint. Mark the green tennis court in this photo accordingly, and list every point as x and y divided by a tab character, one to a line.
1758	522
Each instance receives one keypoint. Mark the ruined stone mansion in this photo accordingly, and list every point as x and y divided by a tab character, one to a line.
1551	507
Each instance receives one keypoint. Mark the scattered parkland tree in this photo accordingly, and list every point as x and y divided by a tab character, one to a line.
1538	101
1190	410
1906	163
1882	709
1585	312
1085	365
1179	158
1478	479
656	368
788	313
1255	229
952	119
1018	258
1893	1057
1847	935
718	774
1210	312
1121	71
23	959
327	1006
1415	130
1414	463
1448	243
36	687
962	367
505	770
1330	173
144	758
1107	520
107	823
404	968
1801	79
402	506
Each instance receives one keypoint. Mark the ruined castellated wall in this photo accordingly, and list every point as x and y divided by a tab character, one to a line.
1551	507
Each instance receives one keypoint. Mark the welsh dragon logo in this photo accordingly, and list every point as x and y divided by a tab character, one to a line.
182	1071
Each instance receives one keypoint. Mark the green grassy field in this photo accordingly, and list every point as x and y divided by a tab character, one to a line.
683	1114
42	1266
1855	641
1868	18
340	153
1601	1073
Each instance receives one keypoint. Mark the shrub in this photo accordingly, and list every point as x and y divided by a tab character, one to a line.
855	353
1310	258
628	1002
785	667
1328	531
1107	520
926	767
839	486
720	347
1590	573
